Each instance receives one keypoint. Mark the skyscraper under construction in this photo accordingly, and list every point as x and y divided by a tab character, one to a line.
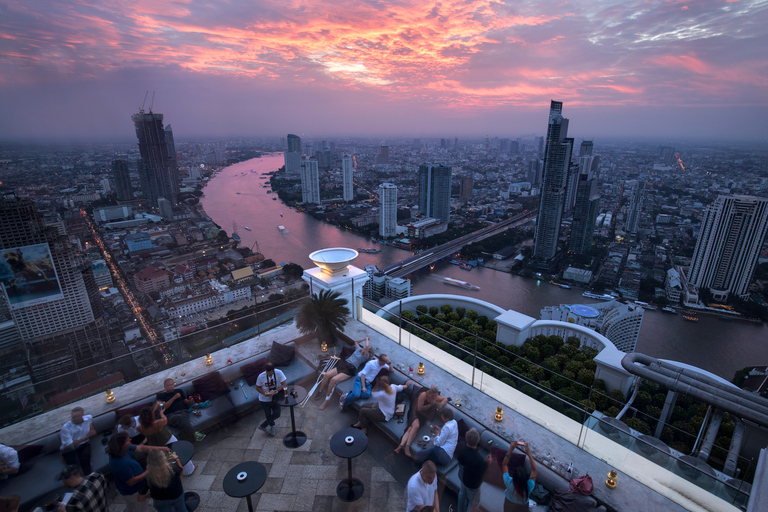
157	167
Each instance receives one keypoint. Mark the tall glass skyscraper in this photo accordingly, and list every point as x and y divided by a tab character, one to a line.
587	204
347	178
310	180
435	191
732	234
122	178
388	218
557	159
157	168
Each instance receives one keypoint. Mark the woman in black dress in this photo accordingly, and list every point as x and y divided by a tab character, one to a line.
427	401
164	482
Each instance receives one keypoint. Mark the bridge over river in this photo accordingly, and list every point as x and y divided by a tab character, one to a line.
430	256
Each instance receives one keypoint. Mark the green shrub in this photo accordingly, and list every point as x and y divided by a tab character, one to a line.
472	315
421	308
461	311
440	317
482	320
639	425
408	315
453	317
530	391
446	308
586	376
433	310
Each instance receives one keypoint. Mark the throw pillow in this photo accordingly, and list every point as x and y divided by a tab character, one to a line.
281	355
251	371
346	352
210	386
462	429
132	410
495	473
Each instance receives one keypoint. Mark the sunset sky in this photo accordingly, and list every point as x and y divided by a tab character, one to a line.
80	68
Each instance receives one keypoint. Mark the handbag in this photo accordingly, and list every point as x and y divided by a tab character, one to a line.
582	485
400	412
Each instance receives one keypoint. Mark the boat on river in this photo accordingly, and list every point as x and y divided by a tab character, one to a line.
460	284
246	228
668	309
281	228
369	250
591	295
565	287
465	266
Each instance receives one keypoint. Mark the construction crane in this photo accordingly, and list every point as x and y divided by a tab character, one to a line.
256	244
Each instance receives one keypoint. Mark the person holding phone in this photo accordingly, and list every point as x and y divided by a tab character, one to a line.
520	484
76	437
269	383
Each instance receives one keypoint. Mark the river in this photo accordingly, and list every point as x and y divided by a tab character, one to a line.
237	194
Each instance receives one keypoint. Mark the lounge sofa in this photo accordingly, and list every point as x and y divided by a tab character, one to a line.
227	403
492	490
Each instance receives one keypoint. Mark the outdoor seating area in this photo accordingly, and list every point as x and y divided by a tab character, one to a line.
310	475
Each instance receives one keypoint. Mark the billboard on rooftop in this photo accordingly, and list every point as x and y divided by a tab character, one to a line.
28	276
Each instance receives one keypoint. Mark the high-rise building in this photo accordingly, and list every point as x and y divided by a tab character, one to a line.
587	146
51	295
383	157
292	156
310	180
535	172
618	322
540	147
122	179
166	209
157	169
347	178
435	191
727	251
587	206
388	218
467	184
637	193
557	159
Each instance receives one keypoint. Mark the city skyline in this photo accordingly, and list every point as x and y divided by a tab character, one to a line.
449	69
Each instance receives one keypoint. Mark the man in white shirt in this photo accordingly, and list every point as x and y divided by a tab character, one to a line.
9	461
364	380
421	492
76	437
269	383
446	438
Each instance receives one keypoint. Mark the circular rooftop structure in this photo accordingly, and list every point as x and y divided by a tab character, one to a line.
584	311
334	260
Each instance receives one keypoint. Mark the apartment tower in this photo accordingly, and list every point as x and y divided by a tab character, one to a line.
435	191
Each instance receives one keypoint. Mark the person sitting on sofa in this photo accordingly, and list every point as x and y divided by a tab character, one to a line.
76	437
128	424
157	433
424	404
383	408
89	492
445	441
344	370
366	375
9	462
175	405
421	491
520	484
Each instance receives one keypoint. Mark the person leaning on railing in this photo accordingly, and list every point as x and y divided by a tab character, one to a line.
424	404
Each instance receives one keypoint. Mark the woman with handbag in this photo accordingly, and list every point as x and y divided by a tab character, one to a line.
384	407
520	484
164	482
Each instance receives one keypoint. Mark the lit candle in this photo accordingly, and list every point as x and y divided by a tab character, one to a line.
612	480
499	414
208	359
421	368
110	396
324	347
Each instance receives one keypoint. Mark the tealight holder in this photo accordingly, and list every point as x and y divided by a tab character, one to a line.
323	347
208	360
110	396
242	476
349	440
421	369
499	416
612	480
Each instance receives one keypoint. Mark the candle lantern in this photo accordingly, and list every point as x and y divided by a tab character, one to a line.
208	360
421	369
110	396
499	414
612	480
324	346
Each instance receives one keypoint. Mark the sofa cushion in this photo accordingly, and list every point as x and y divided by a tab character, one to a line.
346	352
210	386
221	410
251	371
106	421
29	452
281	355
132	410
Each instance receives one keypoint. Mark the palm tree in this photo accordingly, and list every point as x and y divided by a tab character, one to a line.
323	314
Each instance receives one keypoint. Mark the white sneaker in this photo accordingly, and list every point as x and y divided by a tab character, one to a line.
342	400
272	431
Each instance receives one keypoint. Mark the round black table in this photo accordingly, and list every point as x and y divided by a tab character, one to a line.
349	489
184	449
256	475
294	438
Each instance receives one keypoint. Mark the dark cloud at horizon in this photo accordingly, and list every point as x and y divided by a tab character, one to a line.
457	68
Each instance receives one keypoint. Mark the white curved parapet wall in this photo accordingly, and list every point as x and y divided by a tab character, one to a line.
438	299
334	260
